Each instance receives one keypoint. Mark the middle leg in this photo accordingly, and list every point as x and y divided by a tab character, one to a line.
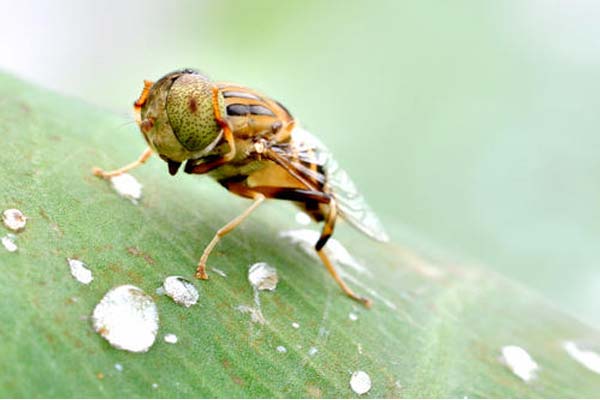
231	225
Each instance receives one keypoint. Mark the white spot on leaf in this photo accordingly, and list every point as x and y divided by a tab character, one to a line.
181	290
262	276
14	219
281	349
360	382
219	272
170	338
8	242
80	271
127	186
589	359
520	362
127	318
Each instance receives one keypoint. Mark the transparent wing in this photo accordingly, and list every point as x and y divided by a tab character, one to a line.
351	204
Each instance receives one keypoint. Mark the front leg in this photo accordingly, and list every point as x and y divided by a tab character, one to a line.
231	225
109	174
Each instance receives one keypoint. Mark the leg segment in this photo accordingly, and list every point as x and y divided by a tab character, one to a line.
231	225
109	174
303	195
325	235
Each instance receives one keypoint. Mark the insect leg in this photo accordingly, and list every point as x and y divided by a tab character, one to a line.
109	174
304	195
325	235
231	225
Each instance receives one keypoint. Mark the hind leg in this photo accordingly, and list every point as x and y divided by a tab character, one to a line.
325	235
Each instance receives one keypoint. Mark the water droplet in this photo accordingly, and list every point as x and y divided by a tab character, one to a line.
127	186
519	362
353	316
281	349
262	276
80	271
8	242
360	382
313	351
219	272
295	325
181	290
303	218
587	358
14	219
127	318
119	367
171	338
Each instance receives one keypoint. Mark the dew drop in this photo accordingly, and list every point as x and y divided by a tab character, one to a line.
14	219
262	276
127	186
8	242
181	290
80	271
281	349
353	316
127	318
360	382
587	358
295	325
170	338
519	362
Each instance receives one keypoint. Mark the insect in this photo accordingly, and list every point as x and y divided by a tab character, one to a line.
253	147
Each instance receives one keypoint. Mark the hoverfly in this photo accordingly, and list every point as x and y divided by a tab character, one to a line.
252	146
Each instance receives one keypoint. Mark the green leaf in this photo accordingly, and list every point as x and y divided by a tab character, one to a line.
436	329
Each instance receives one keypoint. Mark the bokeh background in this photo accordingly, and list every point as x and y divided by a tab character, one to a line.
473	125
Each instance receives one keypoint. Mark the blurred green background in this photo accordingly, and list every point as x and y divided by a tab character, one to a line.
473	124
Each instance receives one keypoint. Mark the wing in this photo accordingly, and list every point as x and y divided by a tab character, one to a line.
311	159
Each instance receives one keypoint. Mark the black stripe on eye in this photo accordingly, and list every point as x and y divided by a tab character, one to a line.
237	110
242	95
260	110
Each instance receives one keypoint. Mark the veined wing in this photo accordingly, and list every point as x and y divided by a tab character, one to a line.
307	150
